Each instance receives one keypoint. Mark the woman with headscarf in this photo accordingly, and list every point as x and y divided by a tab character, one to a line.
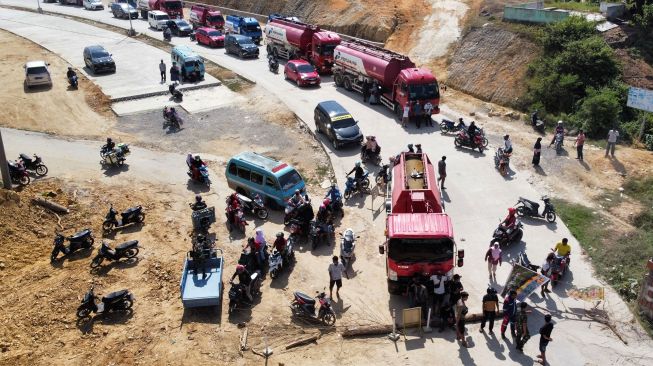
537	150
261	245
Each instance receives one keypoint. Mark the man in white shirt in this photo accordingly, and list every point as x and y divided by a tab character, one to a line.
612	141
439	290
406	115
335	276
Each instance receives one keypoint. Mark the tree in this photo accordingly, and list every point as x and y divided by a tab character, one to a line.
645	20
557	35
591	59
598	111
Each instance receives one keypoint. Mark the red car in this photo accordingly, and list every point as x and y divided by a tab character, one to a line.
301	72
209	36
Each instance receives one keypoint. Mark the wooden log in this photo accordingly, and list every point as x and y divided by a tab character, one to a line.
50	205
365	330
304	341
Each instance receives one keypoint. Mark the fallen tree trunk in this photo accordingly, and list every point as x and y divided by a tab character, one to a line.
365	330
50	205
304	341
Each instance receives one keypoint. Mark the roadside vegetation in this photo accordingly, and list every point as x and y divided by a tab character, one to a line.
619	254
589	6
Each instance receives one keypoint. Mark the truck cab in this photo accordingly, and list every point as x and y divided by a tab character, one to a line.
173	8
416	84
202	16
244	26
322	48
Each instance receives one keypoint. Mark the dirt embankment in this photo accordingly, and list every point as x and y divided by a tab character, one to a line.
490	63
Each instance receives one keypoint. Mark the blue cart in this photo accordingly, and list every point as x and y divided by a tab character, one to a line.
201	281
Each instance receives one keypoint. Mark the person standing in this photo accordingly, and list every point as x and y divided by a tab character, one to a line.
174	72
493	258
336	270
428	111
439	290
546	271
580	141
522	326
537	150
162	68
404	120
366	90
509	313
613	135
417	112
490	309
442	171
460	311
545	338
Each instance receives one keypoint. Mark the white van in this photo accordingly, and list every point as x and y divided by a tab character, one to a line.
157	19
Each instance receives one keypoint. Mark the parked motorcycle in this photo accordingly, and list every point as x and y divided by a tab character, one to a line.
236	218
558	268
298	228
352	187
176	94
447	126
167	34
117	156
171	119
558	142
304	212
33	164
383	176
320	232
526	263
304	306
530	208
335	207
203	176
347	246
237	292
18	173
254	206
73	81
116	301
133	215
277	261
80	240
503	237
478	142
502	161
374	157
127	250
273	64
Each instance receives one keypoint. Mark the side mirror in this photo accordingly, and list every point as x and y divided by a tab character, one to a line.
381	249
461	253
460	262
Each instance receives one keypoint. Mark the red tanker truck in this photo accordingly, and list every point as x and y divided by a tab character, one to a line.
202	16
173	8
290	39
400	81
419	235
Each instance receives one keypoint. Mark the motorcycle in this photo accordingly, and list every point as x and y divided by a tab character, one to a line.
176	94
351	187
203	176
237	294
447	126
479	142
273	64
33	164
558	142
304	306
503	237
171	119
298	228
167	34
276	261
530	208
235	218
558	268
18	173
526	263
82	239
73	81
335	206
502	161
192	36
383	176
127	250
133	215
347	246
254	206
374	157
117	156
319	232
116	301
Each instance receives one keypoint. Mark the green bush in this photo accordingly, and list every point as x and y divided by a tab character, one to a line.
599	111
649	141
591	59
559	34
645	20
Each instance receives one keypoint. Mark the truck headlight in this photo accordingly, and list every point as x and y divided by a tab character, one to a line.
392	275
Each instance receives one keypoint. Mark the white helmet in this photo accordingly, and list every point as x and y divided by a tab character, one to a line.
349	234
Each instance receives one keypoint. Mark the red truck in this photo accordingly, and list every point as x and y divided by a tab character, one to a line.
419	235
202	16
396	75
173	8
290	39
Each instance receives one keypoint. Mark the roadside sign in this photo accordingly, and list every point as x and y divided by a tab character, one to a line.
639	98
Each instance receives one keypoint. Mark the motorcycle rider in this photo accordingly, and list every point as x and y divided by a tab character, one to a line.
371	148
109	146
508	224
195	166
323	212
560	129
167	33
472	130
297	199
461	124
507	144
69	74
534	118
563	249
280	244
199	203
244	278
272	62
359	172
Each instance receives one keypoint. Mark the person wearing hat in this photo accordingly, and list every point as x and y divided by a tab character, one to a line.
560	129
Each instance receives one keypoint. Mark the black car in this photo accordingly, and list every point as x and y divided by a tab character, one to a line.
242	46
179	27
337	124
98	59
123	10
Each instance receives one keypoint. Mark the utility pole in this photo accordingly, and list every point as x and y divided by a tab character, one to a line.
38	6
4	168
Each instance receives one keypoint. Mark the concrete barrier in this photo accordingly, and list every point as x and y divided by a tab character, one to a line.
533	13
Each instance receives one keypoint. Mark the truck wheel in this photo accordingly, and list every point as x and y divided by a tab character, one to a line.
347	83
338	79
394	289
268	49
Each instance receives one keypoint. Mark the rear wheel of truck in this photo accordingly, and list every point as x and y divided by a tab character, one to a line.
347	83
394	289
338	79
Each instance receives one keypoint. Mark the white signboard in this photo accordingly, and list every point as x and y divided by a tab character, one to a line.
640	99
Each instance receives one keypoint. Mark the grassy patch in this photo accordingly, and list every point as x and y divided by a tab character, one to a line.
642	190
573	5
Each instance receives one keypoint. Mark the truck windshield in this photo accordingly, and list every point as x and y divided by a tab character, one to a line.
290	179
173	4
216	19
252	28
420	250
423	91
327	49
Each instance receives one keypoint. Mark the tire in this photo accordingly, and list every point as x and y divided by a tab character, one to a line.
274	273
107	226
520	210
335	144
83	313
131	253
286	220
444	128
329	319
338	80
378	180
551	217
232	306
24	180
126	304
53	255
347	83
365	183
90	242
140	218
457	142
262	214
485	142
347	195
41	170
95	263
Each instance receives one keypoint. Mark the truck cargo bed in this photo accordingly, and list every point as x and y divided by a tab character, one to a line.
202	288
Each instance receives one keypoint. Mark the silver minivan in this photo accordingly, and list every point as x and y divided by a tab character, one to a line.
37	73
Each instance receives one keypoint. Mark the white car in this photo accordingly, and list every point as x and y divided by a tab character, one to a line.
37	73
93	4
